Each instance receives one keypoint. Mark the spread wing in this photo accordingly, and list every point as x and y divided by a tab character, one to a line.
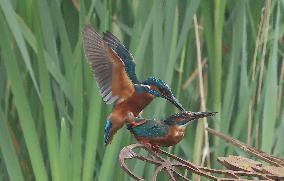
107	66
123	54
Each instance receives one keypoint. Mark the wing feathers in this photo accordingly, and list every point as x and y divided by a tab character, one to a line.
108	68
101	65
121	84
123	54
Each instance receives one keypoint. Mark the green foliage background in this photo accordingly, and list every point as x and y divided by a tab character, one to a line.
51	113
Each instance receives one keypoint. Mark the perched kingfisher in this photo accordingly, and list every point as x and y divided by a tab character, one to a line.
114	70
167	132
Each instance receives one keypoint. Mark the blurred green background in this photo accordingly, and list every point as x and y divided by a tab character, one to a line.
51	113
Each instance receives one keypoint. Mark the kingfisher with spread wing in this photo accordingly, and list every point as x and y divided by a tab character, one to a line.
114	70
167	132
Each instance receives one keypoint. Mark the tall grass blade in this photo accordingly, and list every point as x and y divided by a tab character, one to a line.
23	107
270	100
64	151
92	137
8	151
48	111
12	22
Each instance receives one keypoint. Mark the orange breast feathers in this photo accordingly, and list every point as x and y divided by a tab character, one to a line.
174	136
135	104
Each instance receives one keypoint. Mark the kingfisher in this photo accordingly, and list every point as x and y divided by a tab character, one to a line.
165	133
113	67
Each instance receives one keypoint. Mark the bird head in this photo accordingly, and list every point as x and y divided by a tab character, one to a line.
186	117
159	88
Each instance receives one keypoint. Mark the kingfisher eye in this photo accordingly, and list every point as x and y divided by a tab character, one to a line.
146	86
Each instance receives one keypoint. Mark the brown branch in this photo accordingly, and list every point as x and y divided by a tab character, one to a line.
237	167
258	153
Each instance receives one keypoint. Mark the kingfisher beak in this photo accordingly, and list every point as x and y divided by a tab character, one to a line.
175	101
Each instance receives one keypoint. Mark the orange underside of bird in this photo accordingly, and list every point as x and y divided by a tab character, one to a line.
174	136
135	104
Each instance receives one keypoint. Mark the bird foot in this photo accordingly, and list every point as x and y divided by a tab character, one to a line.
140	114
148	145
151	147
134	123
131	120
156	148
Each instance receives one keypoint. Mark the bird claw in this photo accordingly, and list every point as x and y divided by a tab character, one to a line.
148	146
140	114
156	148
152	147
134	123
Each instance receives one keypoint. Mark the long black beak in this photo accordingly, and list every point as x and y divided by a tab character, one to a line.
175	101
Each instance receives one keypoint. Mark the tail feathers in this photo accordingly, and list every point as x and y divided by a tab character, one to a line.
185	117
107	132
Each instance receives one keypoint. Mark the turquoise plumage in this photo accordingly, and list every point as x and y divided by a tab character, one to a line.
167	132
150	128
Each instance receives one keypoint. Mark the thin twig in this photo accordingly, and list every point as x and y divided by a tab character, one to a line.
258	153
201	89
264	40
261	40
257	44
237	167
249	140
193	75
